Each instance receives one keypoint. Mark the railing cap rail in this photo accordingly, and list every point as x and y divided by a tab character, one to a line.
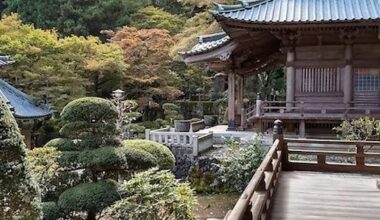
320	141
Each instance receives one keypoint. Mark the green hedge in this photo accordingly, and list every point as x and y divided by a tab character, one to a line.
89	197
164	156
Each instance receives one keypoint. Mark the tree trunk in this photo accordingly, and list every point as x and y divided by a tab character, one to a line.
91	215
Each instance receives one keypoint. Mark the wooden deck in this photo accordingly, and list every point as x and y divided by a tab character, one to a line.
314	195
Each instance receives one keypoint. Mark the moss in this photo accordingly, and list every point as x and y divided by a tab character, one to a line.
89	197
163	155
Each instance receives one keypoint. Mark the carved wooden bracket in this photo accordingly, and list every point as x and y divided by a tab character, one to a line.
348	36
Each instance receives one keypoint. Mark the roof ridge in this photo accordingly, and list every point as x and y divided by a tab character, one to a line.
16	91
211	37
244	4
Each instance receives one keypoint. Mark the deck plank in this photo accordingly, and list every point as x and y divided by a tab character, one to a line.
327	196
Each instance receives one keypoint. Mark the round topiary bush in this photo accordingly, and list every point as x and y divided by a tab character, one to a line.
89	197
102	159
89	109
163	155
138	159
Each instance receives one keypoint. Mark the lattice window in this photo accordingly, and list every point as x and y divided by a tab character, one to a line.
367	79
319	80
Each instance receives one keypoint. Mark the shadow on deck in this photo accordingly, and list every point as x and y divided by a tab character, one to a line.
313	179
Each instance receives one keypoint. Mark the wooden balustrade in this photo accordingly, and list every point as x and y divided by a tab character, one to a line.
256	201
358	151
300	108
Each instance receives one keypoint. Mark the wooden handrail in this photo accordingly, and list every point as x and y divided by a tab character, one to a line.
260	189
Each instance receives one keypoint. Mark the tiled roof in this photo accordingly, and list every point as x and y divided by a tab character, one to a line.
5	60
207	43
22	106
300	11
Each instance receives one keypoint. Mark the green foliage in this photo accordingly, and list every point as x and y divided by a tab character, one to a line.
51	211
19	195
241	163
151	17
62	144
90	197
45	167
154	195
171	112
271	83
76	17
60	68
103	159
163	155
359	129
138	159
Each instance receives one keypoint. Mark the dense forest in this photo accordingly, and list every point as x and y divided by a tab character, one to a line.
66	49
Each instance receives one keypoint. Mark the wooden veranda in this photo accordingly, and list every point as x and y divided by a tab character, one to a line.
313	179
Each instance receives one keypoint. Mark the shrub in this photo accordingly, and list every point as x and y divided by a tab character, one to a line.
89	109
45	167
138	159
241	163
19	194
163	155
102	159
89	197
154	195
62	144
51	211
359	129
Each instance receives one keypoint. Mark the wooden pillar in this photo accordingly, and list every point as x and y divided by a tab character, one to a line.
231	101
290	78
348	75
27	133
240	100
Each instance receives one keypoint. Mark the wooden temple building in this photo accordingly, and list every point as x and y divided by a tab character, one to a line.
329	48
27	112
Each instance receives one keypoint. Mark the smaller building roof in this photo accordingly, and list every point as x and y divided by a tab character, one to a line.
23	107
207	43
300	11
5	60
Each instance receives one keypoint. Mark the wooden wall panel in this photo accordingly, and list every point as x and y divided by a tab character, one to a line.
335	52
366	52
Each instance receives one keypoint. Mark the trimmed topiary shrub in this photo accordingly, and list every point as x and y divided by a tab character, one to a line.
163	155
62	144
103	159
19	194
51	211
138	159
89	197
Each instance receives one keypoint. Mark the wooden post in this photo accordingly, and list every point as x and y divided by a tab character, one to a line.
278	131
348	74
240	100
290	78
231	101
27	133
258	105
